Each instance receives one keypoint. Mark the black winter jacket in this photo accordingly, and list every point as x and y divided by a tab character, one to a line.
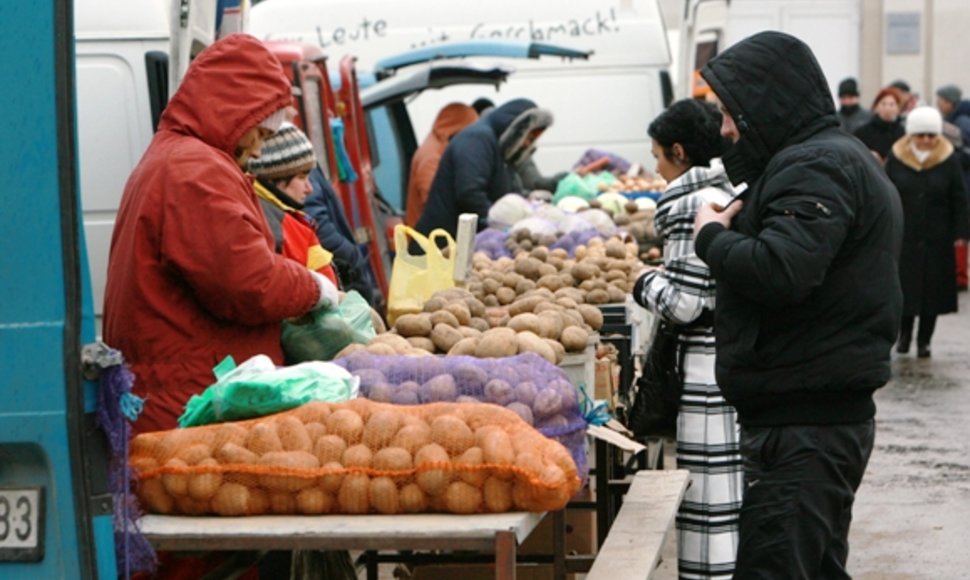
808	297
473	172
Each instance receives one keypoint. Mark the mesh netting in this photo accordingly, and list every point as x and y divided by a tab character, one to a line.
354	458
535	389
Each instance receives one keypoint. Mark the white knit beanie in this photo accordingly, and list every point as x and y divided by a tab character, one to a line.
924	120
275	120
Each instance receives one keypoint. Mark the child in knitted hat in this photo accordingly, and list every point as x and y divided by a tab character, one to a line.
282	173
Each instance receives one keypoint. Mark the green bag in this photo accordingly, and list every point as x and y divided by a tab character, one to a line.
573	185
258	387
323	333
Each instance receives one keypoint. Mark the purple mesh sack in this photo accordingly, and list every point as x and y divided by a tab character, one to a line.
537	390
492	242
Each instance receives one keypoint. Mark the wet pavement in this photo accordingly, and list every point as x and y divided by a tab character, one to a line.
912	512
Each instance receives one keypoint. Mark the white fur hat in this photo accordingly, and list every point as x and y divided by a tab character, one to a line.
924	120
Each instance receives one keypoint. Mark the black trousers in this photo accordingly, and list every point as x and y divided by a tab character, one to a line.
800	482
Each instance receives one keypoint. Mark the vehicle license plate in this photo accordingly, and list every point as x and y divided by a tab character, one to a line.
21	524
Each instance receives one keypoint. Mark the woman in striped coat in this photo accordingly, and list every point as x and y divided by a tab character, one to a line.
686	142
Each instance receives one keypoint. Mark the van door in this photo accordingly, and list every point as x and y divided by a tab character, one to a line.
193	29
702	33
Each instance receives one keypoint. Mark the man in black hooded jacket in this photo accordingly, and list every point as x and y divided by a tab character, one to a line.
478	166
808	303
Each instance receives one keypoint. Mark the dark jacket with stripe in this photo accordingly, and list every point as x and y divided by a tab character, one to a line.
808	295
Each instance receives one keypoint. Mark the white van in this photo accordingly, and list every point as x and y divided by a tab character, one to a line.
605	102
122	54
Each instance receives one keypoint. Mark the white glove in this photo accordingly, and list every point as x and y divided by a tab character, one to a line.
329	295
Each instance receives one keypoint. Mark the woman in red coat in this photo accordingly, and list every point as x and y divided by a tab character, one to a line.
192	276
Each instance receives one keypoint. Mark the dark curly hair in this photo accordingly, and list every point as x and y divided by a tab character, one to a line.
696	125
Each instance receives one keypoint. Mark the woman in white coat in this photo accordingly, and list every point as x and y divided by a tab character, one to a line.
686	143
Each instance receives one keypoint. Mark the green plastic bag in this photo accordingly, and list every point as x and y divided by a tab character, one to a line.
258	387
323	333
573	185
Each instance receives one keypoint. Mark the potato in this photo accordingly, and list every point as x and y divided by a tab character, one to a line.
444	317
548	402
551	281
574	339
497	342
497	495
315	431
584	271
525	304
463	498
334	478
258	501
473	456
464	347
530	342
229	433
288	460
408	325
293	435
480	324
350	349
475	308
444	337
432	480
438	389
383	497
505	295
433	305
597	297
550	324
281	502
523	411
497	449
329	448
525	392
406	393
412	499
381	348
264	438
412	437
231	499
592	316
176	484
314	501
499	392
452	434
232	454
202	486
460	310
393	459
357	456
557	348
354	494
525	321
381	428
345	424
193	454
152	492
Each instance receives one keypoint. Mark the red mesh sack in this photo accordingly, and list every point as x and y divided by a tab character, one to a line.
356	457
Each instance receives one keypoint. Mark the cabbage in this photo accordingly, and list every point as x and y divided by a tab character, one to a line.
645	203
575	222
612	202
602	221
548	212
572	204
507	210
536	226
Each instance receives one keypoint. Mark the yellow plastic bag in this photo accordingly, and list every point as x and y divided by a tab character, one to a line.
415	278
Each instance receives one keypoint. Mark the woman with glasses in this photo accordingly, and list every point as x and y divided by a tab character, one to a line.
930	183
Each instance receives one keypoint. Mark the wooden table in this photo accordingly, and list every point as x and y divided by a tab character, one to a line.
498	533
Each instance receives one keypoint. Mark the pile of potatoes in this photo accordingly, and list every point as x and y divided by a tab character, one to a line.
357	457
602	272
631	183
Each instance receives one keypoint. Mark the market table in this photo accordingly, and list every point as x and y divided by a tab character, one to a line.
498	533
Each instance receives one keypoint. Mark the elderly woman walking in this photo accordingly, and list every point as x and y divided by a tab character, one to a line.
930	183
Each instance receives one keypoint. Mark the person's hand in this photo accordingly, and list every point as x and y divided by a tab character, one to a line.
960	243
329	294
648	269
712	212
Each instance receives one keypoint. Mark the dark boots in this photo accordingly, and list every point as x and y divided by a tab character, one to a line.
927	324
905	337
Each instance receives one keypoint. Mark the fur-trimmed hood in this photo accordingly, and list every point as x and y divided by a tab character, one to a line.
512	123
939	154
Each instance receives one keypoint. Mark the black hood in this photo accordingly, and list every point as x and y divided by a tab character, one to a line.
776	92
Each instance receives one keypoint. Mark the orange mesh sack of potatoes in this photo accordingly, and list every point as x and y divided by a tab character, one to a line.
356	457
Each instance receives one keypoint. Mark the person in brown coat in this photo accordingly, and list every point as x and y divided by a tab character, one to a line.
451	119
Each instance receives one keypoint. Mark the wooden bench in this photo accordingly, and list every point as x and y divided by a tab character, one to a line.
640	530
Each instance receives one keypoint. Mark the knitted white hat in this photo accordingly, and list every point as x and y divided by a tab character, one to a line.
924	120
275	120
286	153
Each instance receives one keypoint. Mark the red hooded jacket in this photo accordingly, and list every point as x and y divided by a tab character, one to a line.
192	275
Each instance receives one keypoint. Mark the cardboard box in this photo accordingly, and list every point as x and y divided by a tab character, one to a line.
580	532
